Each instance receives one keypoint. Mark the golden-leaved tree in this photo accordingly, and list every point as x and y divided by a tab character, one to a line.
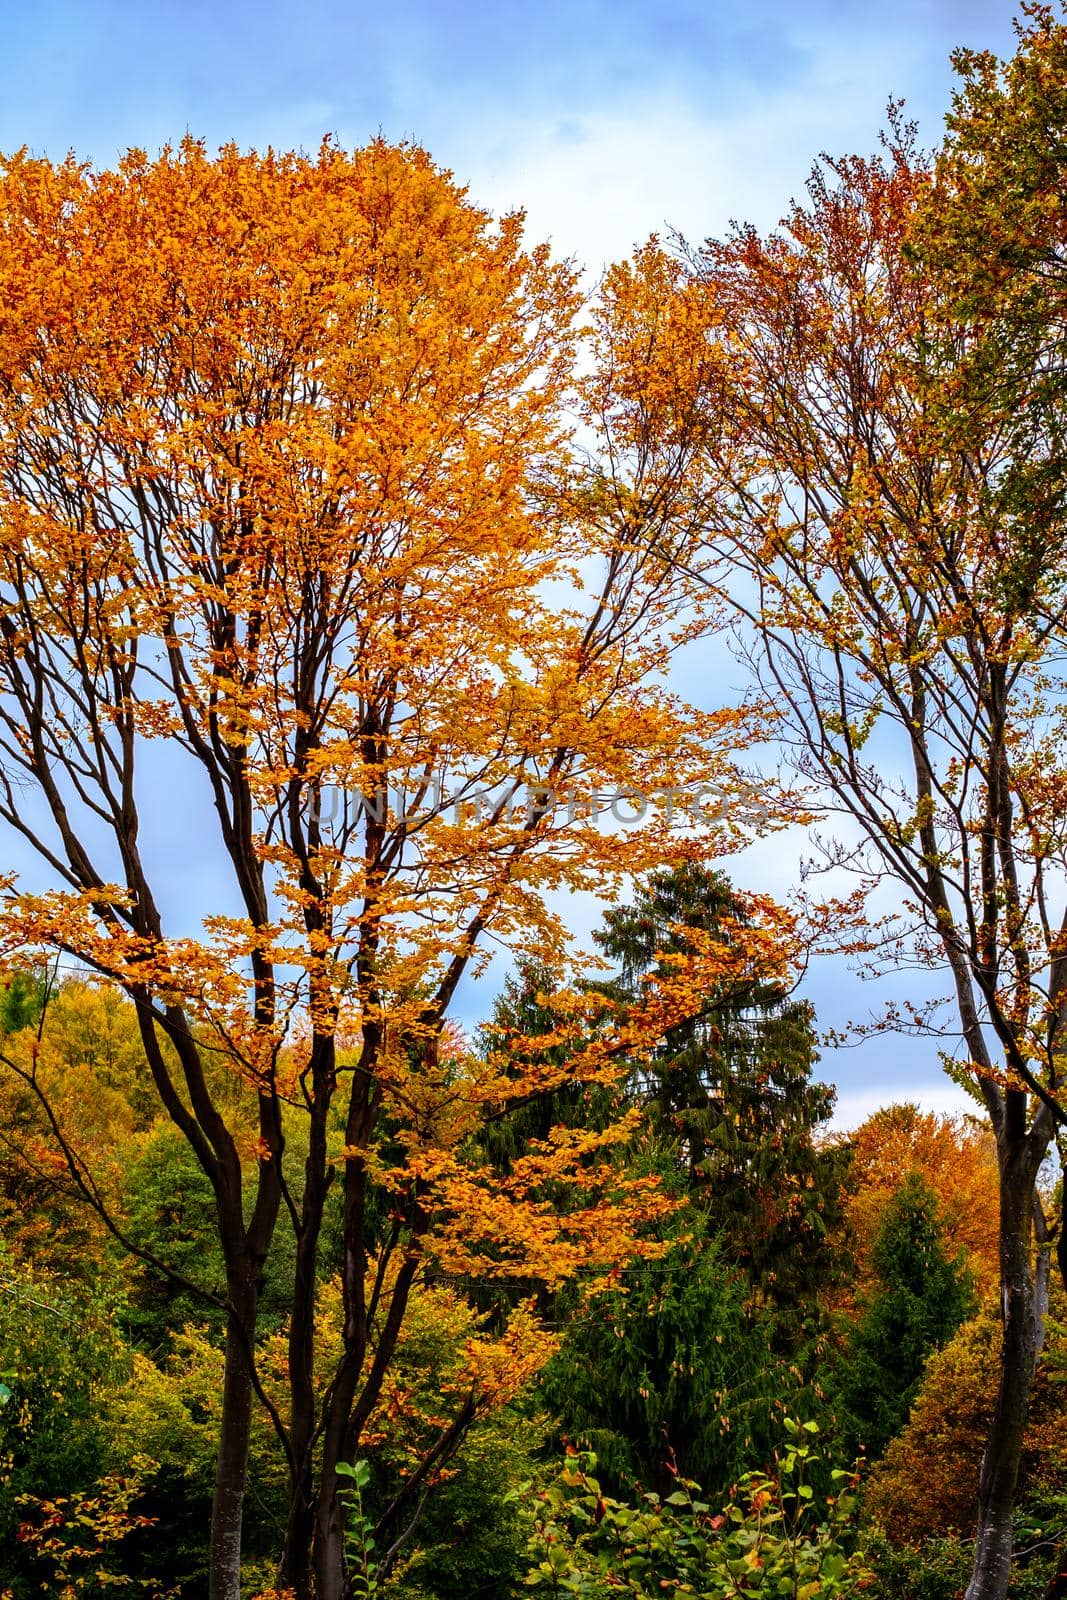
287	485
954	1156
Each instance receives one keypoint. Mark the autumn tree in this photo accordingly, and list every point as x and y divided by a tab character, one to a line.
903	603
950	1419
292	536
991	232
523	1011
956	1159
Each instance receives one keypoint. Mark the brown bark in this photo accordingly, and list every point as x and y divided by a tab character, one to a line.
1021	1310
231	1469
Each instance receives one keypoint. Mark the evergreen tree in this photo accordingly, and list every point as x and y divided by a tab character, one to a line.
733	1089
922	1298
669	1373
22	999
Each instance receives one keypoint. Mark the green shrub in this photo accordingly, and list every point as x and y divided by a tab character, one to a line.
471	1539
58	1352
774	1536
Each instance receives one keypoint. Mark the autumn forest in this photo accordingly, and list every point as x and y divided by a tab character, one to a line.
459	605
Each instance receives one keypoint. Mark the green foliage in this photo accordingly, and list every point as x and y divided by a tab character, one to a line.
169	1409
732	1088
22	999
775	1536
470	1538
360	1545
922	1299
58	1352
939	1569
668	1372
170	1211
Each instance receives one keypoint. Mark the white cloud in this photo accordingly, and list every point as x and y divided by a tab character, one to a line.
945	1099
600	180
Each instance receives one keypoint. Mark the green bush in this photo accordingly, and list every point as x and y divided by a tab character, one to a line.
774	1537
58	1351
471	1539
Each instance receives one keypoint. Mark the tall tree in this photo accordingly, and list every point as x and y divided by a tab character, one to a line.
991	235
285	483
670	1371
732	1087
906	601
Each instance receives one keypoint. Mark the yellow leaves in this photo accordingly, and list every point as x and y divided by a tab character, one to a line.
29	923
655	332
448	1356
71	1535
498	1368
511	1229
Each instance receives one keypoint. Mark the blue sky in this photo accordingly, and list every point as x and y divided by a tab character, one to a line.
605	119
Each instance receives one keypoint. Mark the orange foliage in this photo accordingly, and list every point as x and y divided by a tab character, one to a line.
288	483
73	1537
947	1432
955	1156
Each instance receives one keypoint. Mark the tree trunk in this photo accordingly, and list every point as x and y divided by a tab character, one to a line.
294	1568
231	1471
1021	1340
331	1577
348	1415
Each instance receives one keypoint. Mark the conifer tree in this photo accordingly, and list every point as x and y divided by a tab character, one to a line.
733	1088
922	1298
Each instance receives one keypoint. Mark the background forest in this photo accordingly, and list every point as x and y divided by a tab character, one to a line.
839	1283
335	514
